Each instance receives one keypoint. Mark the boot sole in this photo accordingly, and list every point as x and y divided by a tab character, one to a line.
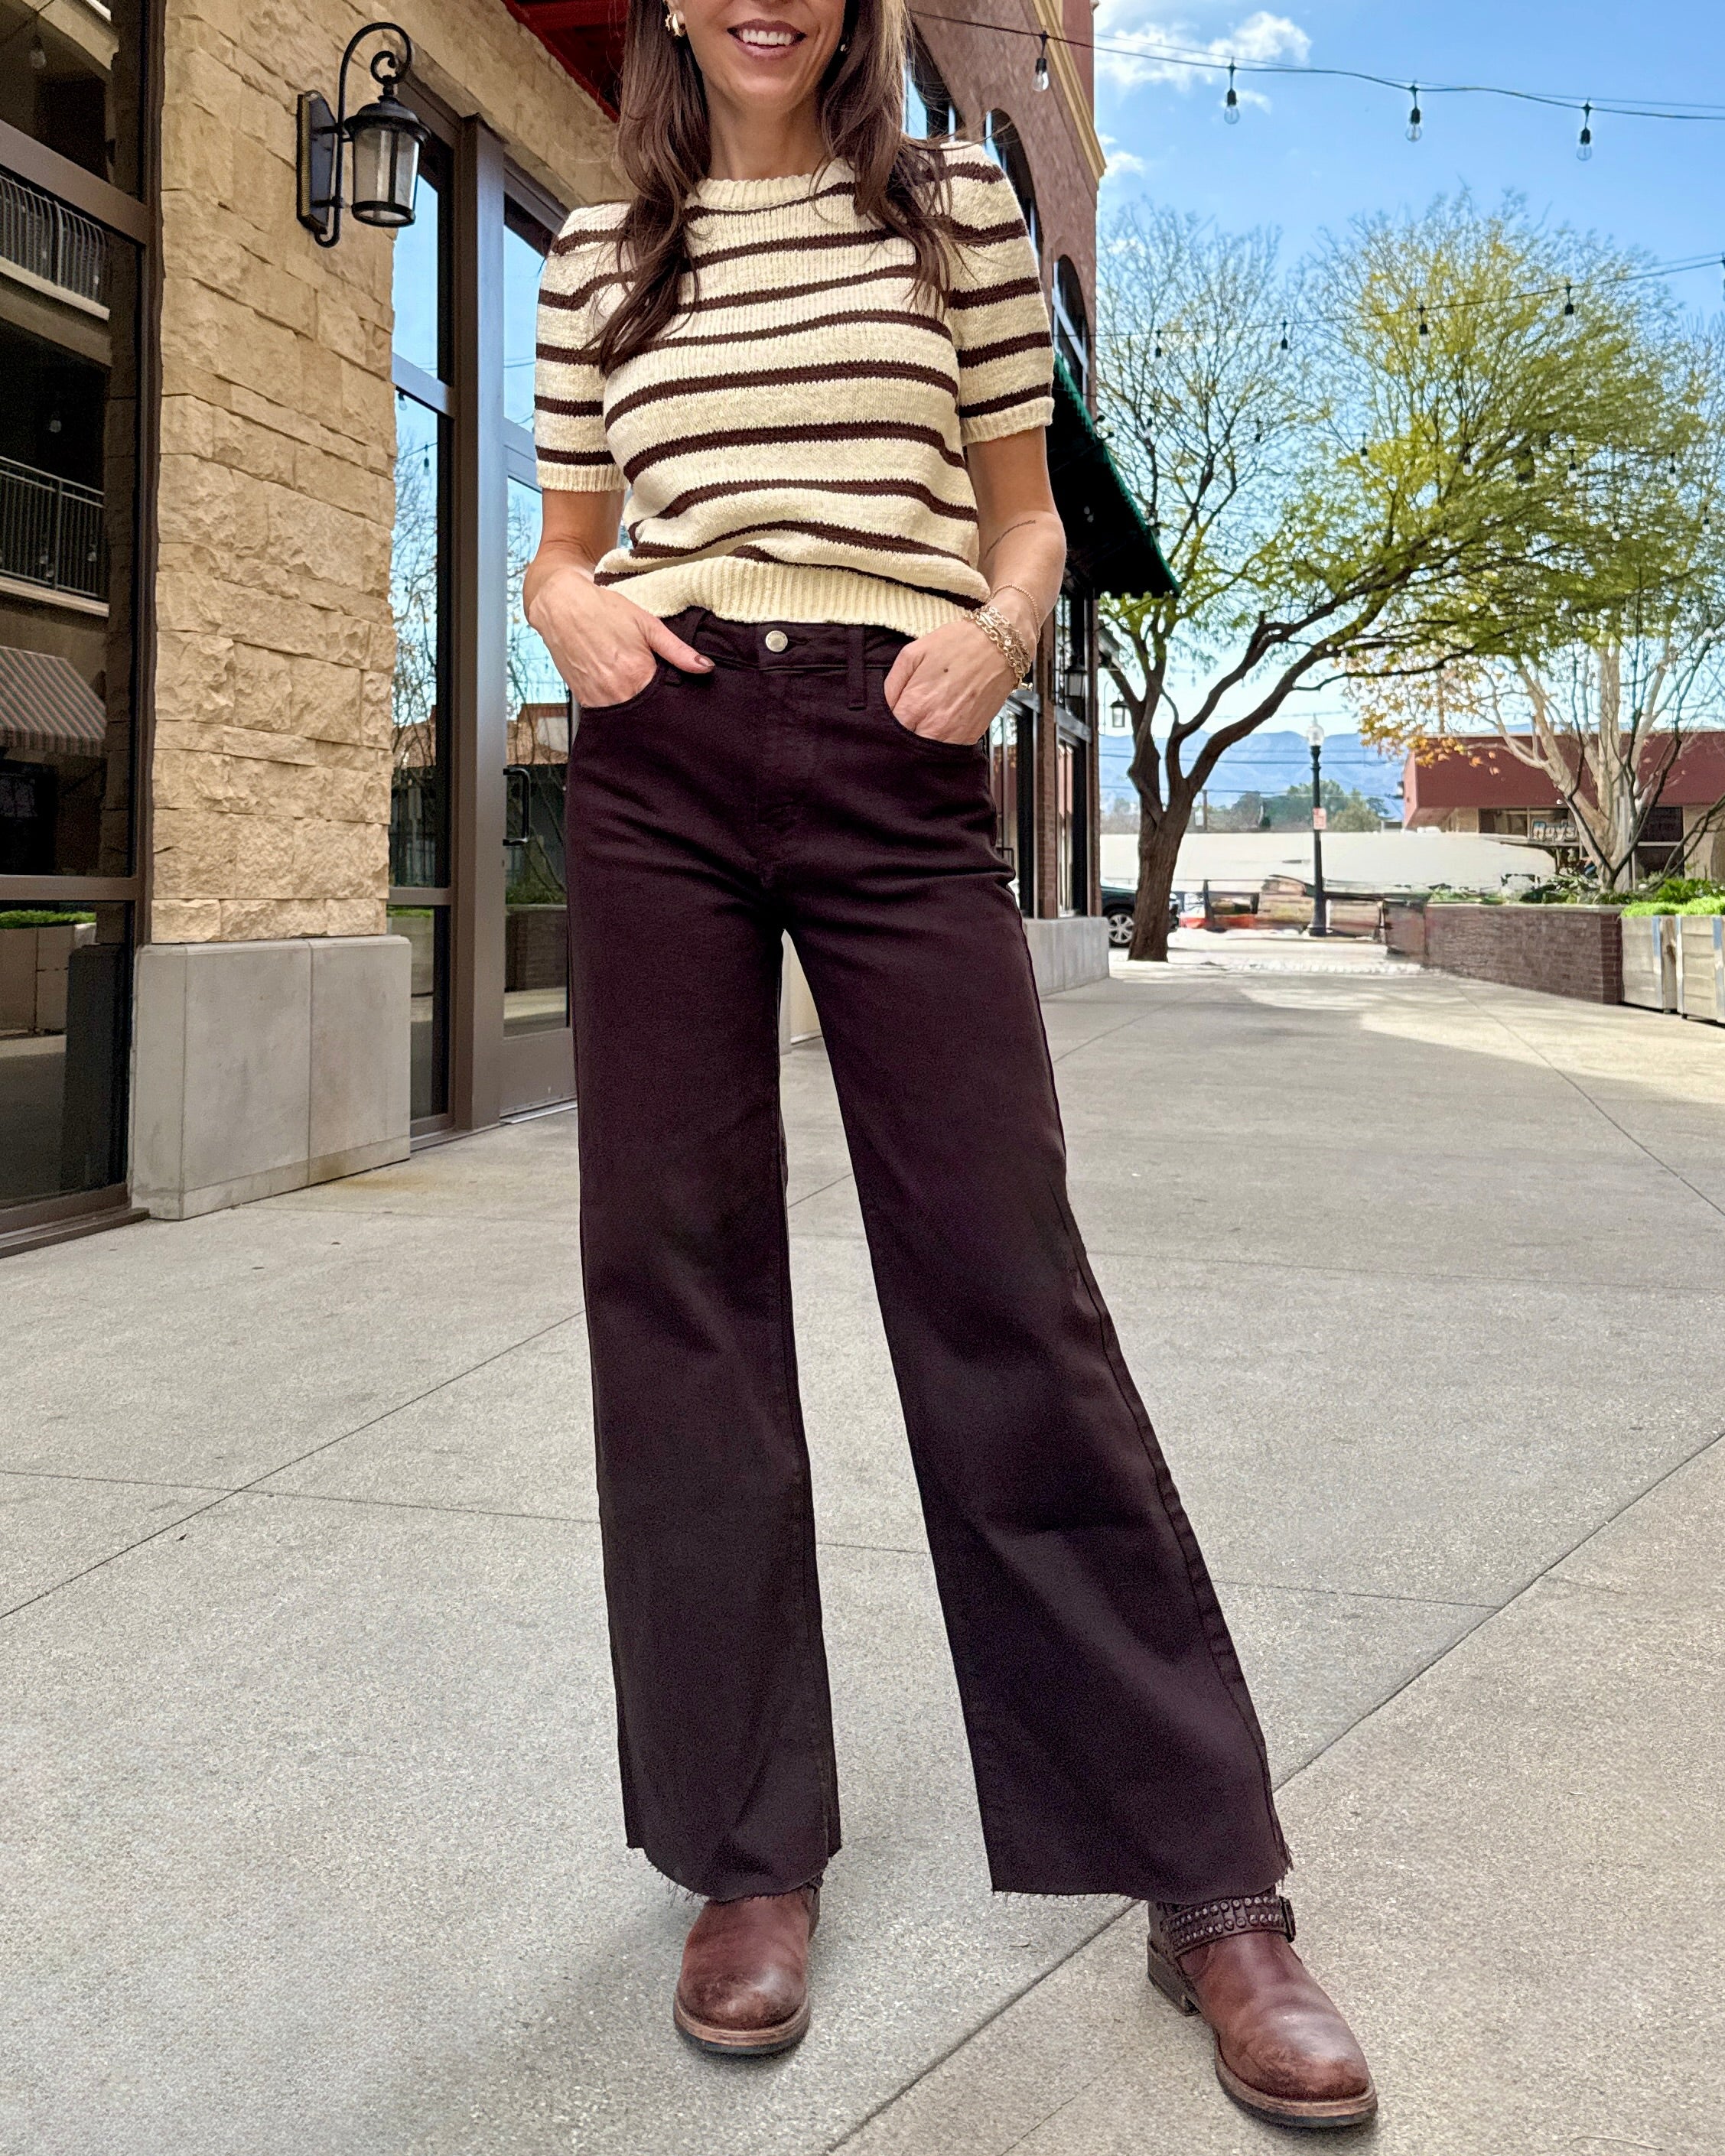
1313	2115
719	2042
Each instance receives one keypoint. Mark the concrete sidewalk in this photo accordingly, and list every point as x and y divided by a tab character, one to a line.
309	1835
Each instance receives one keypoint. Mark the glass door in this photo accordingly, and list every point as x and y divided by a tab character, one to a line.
419	873
538	1059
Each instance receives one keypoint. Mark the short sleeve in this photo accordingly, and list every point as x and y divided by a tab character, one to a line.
996	311
568	409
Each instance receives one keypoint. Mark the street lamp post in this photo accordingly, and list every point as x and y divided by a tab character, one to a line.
1320	904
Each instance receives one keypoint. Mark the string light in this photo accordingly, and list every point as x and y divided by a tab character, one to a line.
1416	125
1568	297
1231	104
1284	332
1424	326
1584	141
1189	57
1040	80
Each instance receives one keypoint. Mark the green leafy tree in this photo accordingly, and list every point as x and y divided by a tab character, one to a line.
1355	470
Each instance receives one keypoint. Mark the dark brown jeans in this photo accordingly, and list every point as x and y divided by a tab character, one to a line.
1113	1740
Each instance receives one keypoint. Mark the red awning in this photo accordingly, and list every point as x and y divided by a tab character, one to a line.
585	35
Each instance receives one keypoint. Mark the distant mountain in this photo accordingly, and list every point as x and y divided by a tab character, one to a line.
1268	763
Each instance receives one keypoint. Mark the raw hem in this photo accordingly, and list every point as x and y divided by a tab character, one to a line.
748	1893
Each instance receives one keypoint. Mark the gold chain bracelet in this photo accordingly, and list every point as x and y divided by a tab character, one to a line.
1001	633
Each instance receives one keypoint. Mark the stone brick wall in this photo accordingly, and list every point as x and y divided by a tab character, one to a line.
1563	950
276	646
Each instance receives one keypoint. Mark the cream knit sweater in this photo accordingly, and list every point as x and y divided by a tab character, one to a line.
793	444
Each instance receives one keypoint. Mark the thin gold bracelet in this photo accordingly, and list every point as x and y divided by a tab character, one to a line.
1001	633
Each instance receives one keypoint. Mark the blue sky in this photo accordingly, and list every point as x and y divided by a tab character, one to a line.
1310	154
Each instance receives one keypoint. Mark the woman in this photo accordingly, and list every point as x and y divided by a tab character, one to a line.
816	357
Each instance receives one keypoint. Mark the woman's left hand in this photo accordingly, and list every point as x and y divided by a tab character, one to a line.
947	686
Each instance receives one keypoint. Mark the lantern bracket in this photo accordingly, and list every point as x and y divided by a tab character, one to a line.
324	135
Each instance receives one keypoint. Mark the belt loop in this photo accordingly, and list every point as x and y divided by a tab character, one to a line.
858	681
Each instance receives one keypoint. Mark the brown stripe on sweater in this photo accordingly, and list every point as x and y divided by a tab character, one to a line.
750	438
768	294
908	490
779	377
571	243
988	404
840	535
570	407
807	243
567	355
991	296
979	354
905	317
549	455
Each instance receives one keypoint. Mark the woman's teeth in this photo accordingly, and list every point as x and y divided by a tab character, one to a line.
765	37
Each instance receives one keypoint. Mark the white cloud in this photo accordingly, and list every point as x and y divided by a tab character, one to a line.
1149	44
1121	163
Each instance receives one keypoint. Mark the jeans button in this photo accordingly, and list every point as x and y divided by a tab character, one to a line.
775	640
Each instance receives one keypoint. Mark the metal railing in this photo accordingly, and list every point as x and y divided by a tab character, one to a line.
51	531
59	245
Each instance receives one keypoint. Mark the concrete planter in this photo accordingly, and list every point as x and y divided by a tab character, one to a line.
1562	950
32	975
1701	969
1649	961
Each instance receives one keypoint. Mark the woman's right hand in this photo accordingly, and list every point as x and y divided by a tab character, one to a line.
604	645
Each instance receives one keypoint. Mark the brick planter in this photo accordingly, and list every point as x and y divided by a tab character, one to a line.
1563	950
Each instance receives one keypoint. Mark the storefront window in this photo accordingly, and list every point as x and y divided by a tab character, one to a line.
418	593
69	425
524	249
536	997
69	77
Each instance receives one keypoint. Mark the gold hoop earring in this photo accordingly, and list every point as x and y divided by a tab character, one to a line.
675	23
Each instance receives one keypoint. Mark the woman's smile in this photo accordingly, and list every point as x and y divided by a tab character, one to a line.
766	39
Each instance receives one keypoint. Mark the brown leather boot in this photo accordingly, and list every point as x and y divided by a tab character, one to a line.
1282	2050
744	1991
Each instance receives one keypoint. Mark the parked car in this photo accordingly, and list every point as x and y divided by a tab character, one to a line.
1119	910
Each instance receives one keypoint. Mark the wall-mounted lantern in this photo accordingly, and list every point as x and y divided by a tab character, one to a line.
383	137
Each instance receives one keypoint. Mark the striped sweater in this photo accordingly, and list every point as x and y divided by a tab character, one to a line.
793	444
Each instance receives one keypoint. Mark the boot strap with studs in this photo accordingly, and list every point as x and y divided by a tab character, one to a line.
1180	1927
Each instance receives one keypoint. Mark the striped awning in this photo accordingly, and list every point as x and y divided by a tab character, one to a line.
47	708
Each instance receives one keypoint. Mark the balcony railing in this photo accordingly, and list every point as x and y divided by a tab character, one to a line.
57	245
51	531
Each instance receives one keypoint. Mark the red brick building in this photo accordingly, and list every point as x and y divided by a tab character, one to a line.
1476	783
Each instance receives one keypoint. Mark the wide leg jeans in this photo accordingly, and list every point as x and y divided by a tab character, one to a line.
1111	1734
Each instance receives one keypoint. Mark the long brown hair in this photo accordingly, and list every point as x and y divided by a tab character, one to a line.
664	148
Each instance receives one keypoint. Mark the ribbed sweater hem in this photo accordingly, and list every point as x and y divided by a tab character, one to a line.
777	591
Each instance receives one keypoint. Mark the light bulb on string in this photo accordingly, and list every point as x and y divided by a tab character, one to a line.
1039	79
1584	140
1569	298
1424	326
1284	333
1231	104
1416	118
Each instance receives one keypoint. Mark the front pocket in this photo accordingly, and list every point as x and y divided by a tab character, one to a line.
948	752
629	703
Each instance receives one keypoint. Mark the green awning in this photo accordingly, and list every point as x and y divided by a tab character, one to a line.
1109	546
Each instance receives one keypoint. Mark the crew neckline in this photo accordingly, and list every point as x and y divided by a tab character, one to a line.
769	194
